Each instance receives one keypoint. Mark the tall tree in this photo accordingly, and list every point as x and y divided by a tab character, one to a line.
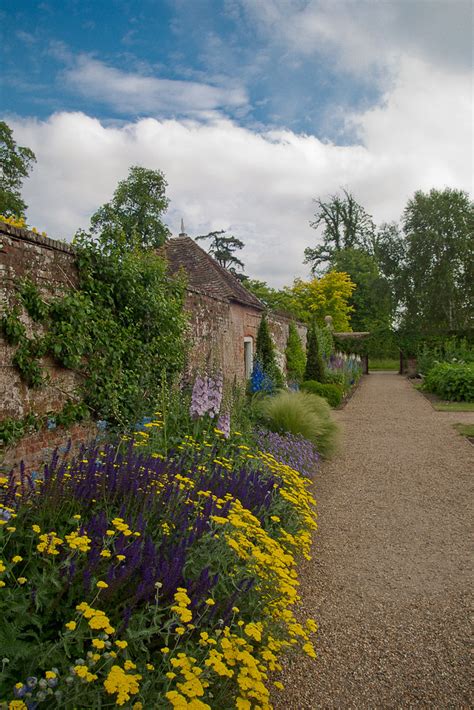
223	249
15	164
345	225
371	299
327	296
265	353
133	217
438	274
314	362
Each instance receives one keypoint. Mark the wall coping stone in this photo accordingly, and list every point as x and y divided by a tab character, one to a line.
28	236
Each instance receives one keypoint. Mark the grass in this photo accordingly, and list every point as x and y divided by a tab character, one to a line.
465	429
453	406
383	363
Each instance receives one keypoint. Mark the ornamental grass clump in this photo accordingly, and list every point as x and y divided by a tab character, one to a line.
136	578
301	413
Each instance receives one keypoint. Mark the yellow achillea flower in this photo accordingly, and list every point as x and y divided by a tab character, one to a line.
71	625
122	683
102	585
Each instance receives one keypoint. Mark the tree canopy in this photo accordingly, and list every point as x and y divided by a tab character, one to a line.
437	277
133	217
223	249
346	225
15	165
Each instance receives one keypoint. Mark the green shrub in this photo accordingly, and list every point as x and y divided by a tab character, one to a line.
301	413
453	381
314	361
265	353
295	355
332	377
332	393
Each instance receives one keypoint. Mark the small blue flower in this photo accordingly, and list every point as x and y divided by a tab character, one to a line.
51	423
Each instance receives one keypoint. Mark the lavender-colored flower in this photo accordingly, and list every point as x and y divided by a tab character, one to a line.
214	394
199	398
223	424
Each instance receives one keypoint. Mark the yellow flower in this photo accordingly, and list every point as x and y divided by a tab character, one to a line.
22	580
165	650
120	557
122	683
106	553
210	602
98	643
102	585
76	517
16	559
16	705
36	528
49	675
150	667
180	630
2	583
121	644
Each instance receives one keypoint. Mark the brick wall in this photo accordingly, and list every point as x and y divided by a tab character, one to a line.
51	266
217	330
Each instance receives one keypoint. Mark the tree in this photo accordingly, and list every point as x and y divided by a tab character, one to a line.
265	352
295	355
15	165
327	296
371	299
134	215
438	273
346	225
314	362
223	250
271	297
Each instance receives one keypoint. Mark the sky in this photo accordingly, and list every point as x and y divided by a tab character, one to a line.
251	109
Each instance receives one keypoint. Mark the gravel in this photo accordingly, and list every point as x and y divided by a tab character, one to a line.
389	578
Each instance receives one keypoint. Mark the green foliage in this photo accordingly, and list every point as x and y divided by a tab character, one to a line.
271	297
265	353
12	429
133	218
346	225
384	364
301	413
34	305
451	381
332	377
333	393
12	328
15	165
295	355
314	362
451	349
371	299
438	273
121	330
223	249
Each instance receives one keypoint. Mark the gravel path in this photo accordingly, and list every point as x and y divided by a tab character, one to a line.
389	578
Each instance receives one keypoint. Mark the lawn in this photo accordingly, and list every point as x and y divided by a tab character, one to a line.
465	429
383	364
453	406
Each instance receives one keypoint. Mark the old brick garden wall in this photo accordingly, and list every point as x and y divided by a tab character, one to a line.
218	329
50	265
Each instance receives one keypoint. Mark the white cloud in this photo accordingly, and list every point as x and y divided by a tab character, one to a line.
362	35
129	92
258	185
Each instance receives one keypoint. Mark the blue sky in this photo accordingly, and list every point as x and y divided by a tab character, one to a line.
211	42
251	108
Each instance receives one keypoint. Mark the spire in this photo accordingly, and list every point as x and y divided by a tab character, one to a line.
183	232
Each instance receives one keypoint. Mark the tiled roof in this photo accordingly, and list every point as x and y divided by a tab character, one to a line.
205	274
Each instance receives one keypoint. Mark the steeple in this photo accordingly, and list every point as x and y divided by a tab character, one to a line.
183	232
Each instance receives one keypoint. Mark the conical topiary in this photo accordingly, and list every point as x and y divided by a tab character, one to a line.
295	356
265	353
314	362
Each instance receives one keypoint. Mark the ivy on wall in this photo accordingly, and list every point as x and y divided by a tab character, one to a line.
120	331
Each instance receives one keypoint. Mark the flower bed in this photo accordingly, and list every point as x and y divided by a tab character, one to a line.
136	578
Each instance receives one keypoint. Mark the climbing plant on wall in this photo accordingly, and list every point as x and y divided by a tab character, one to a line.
120	330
